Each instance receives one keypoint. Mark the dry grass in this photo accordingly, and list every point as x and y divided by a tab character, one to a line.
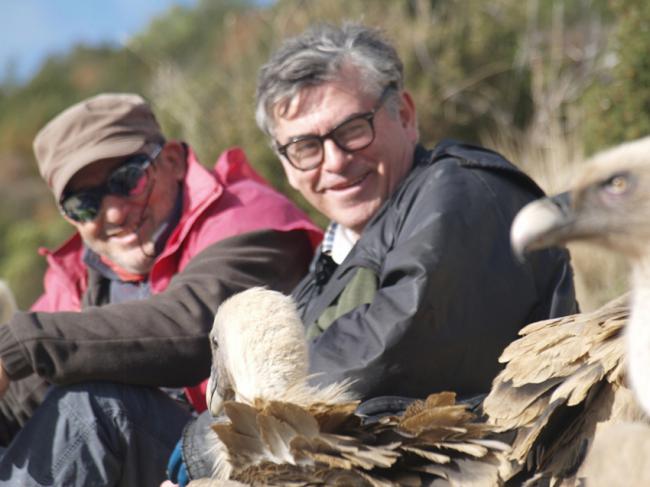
551	159
551	148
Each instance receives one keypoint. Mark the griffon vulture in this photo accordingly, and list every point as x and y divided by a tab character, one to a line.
567	379
279	430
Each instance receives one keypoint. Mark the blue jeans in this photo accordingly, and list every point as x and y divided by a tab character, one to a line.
95	434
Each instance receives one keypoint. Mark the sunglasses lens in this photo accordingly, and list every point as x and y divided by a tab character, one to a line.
129	179
81	207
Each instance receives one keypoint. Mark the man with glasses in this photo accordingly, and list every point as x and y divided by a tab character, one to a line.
129	300
415	288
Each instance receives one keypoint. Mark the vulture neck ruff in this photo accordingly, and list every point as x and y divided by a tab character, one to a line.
638	333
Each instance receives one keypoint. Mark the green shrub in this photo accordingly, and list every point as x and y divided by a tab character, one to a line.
617	108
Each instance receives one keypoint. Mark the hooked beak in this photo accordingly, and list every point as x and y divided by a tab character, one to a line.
216	394
542	223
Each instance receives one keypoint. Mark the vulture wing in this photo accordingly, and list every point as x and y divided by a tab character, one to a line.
280	443
562	378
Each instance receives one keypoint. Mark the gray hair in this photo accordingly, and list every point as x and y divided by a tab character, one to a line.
318	56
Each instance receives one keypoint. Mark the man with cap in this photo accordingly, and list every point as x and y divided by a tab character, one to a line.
129	300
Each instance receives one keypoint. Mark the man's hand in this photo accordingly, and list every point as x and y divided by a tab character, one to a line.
4	380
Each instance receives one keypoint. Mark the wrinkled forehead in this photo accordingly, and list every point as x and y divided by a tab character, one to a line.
309	97
302	101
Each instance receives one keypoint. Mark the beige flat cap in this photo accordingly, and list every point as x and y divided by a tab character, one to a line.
102	127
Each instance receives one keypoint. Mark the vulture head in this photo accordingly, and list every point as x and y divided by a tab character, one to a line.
608	205
258	349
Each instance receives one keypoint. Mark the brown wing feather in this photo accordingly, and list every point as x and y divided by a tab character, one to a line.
561	379
445	439
281	443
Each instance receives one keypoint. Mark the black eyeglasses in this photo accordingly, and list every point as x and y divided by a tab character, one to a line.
129	180
306	152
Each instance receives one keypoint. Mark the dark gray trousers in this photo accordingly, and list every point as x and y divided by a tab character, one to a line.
95	434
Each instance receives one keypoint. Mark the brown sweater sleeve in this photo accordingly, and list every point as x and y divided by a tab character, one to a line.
162	340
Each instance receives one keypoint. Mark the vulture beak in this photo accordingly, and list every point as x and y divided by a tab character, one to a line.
215	403
542	223
217	393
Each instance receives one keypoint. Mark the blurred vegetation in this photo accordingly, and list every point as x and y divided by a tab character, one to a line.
545	82
28	215
618	105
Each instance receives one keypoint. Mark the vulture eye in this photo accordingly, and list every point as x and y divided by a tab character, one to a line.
617	184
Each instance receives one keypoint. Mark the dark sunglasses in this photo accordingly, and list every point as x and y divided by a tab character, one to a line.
129	180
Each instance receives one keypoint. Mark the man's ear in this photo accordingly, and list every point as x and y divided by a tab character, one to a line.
408	116
175	156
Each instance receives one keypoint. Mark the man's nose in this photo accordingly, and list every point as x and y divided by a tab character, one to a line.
335	159
116	209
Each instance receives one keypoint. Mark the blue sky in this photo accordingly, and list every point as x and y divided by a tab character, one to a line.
32	29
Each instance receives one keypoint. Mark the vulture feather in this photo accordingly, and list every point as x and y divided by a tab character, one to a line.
567	380
280	430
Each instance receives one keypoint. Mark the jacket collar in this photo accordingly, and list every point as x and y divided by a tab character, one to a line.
200	189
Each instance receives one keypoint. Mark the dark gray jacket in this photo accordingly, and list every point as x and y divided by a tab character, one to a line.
448	294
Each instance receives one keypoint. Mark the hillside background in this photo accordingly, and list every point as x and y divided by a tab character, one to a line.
547	82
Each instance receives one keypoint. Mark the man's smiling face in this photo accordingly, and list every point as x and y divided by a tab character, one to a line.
349	187
125	228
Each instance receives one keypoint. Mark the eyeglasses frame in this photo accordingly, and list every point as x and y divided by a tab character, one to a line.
369	116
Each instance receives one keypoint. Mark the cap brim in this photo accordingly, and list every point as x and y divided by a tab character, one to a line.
108	149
